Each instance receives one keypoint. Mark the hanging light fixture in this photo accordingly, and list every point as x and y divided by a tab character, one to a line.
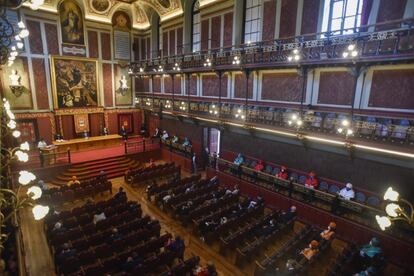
295	56
236	60
345	128
183	106
208	62
176	67
295	121
350	52
397	209
240	114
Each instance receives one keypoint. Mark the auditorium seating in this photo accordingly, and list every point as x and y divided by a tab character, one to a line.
87	188
143	175
96	253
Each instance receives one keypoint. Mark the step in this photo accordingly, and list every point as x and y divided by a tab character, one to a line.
97	166
98	161
96	172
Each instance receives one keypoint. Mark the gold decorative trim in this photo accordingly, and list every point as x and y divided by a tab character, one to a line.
74	111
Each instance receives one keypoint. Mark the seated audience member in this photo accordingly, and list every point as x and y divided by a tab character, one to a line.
100	215
101	176
283	174
174	139
311	181
209	270
311	250
42	143
157	133
186	142
167	198
164	135
143	131
239	160
151	163
223	220
74	180
123	133
268	228
131	262
59	137
120	193
260	166
328	233
115	236
66	252
178	247
58	228
347	193
287	216
252	204
42	185
105	131
371	253
85	134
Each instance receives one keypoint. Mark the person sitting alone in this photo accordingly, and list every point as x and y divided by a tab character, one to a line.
151	163
105	131
328	233
73	181
121	193
59	137
311	250
260	166
252	204
239	160
370	254
58	228
311	181
223	220
178	247
67	252
99	216
347	193
186	142
85	134
209	270
167	198
174	139
101	176
42	185
115	236
283	173
165	135
287	216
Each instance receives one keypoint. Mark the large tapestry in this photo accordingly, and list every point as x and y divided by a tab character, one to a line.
71	23
75	82
16	84
123	91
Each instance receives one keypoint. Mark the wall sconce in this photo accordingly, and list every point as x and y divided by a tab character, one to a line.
123	85
236	60
176	67
394	211
295	121
345	128
208	62
350	51
295	56
183	106
167	104
213	109
15	83
239	114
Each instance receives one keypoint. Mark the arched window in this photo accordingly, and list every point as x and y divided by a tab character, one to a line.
342	16
253	10
196	27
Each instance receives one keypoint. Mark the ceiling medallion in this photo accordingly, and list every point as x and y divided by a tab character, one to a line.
100	6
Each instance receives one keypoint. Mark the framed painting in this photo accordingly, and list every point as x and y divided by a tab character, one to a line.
71	23
74	82
123	88
81	122
126	120
16	84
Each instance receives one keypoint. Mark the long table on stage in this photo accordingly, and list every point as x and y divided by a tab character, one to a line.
91	142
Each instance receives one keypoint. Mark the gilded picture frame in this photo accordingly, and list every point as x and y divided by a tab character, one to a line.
75	82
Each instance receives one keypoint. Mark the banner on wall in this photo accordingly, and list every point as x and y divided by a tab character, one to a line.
81	122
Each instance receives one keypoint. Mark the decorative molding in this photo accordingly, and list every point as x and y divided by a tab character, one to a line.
73	111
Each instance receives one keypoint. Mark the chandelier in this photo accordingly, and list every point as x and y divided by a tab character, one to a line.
12	198
10	35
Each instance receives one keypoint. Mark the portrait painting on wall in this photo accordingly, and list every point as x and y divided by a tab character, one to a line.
81	122
123	90
71	23
74	82
126	121
16	84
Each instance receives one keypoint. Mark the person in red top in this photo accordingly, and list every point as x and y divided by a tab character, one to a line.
311	181
283	174
260	166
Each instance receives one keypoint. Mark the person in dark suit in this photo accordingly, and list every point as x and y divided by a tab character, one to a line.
123	133
58	137
105	131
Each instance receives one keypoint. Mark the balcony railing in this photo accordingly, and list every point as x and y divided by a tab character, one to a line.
397	42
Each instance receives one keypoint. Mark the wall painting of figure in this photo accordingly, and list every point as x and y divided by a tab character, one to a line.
71	23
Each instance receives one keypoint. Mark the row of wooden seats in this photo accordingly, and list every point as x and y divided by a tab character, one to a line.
182	268
155	172
130	173
203	186
155	189
179	189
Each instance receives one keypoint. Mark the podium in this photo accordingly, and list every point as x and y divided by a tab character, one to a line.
48	155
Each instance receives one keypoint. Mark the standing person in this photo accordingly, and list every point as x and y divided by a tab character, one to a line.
194	163
206	154
41	145
123	133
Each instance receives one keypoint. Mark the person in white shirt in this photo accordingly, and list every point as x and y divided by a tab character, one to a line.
98	217
347	193
42	143
164	135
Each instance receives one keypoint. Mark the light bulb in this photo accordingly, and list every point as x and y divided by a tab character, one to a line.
349	132
391	195
10	114
345	122
243	117
24	33
295	51
294	117
25	146
238	110
299	123
19	45
211	111
215	112
237	115
214	106
392	210
34	192
297	57
340	130
383	222
40	211
21	156
11	58
26	177
290	122
11	124
345	54
351	47
354	53
21	25
290	58
16	134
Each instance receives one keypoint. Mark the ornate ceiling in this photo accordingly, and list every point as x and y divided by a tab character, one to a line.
139	10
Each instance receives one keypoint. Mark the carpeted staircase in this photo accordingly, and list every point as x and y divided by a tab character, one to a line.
113	167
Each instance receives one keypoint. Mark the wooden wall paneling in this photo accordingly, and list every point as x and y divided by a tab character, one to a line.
35	41
93	44
52	39
39	75
269	20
